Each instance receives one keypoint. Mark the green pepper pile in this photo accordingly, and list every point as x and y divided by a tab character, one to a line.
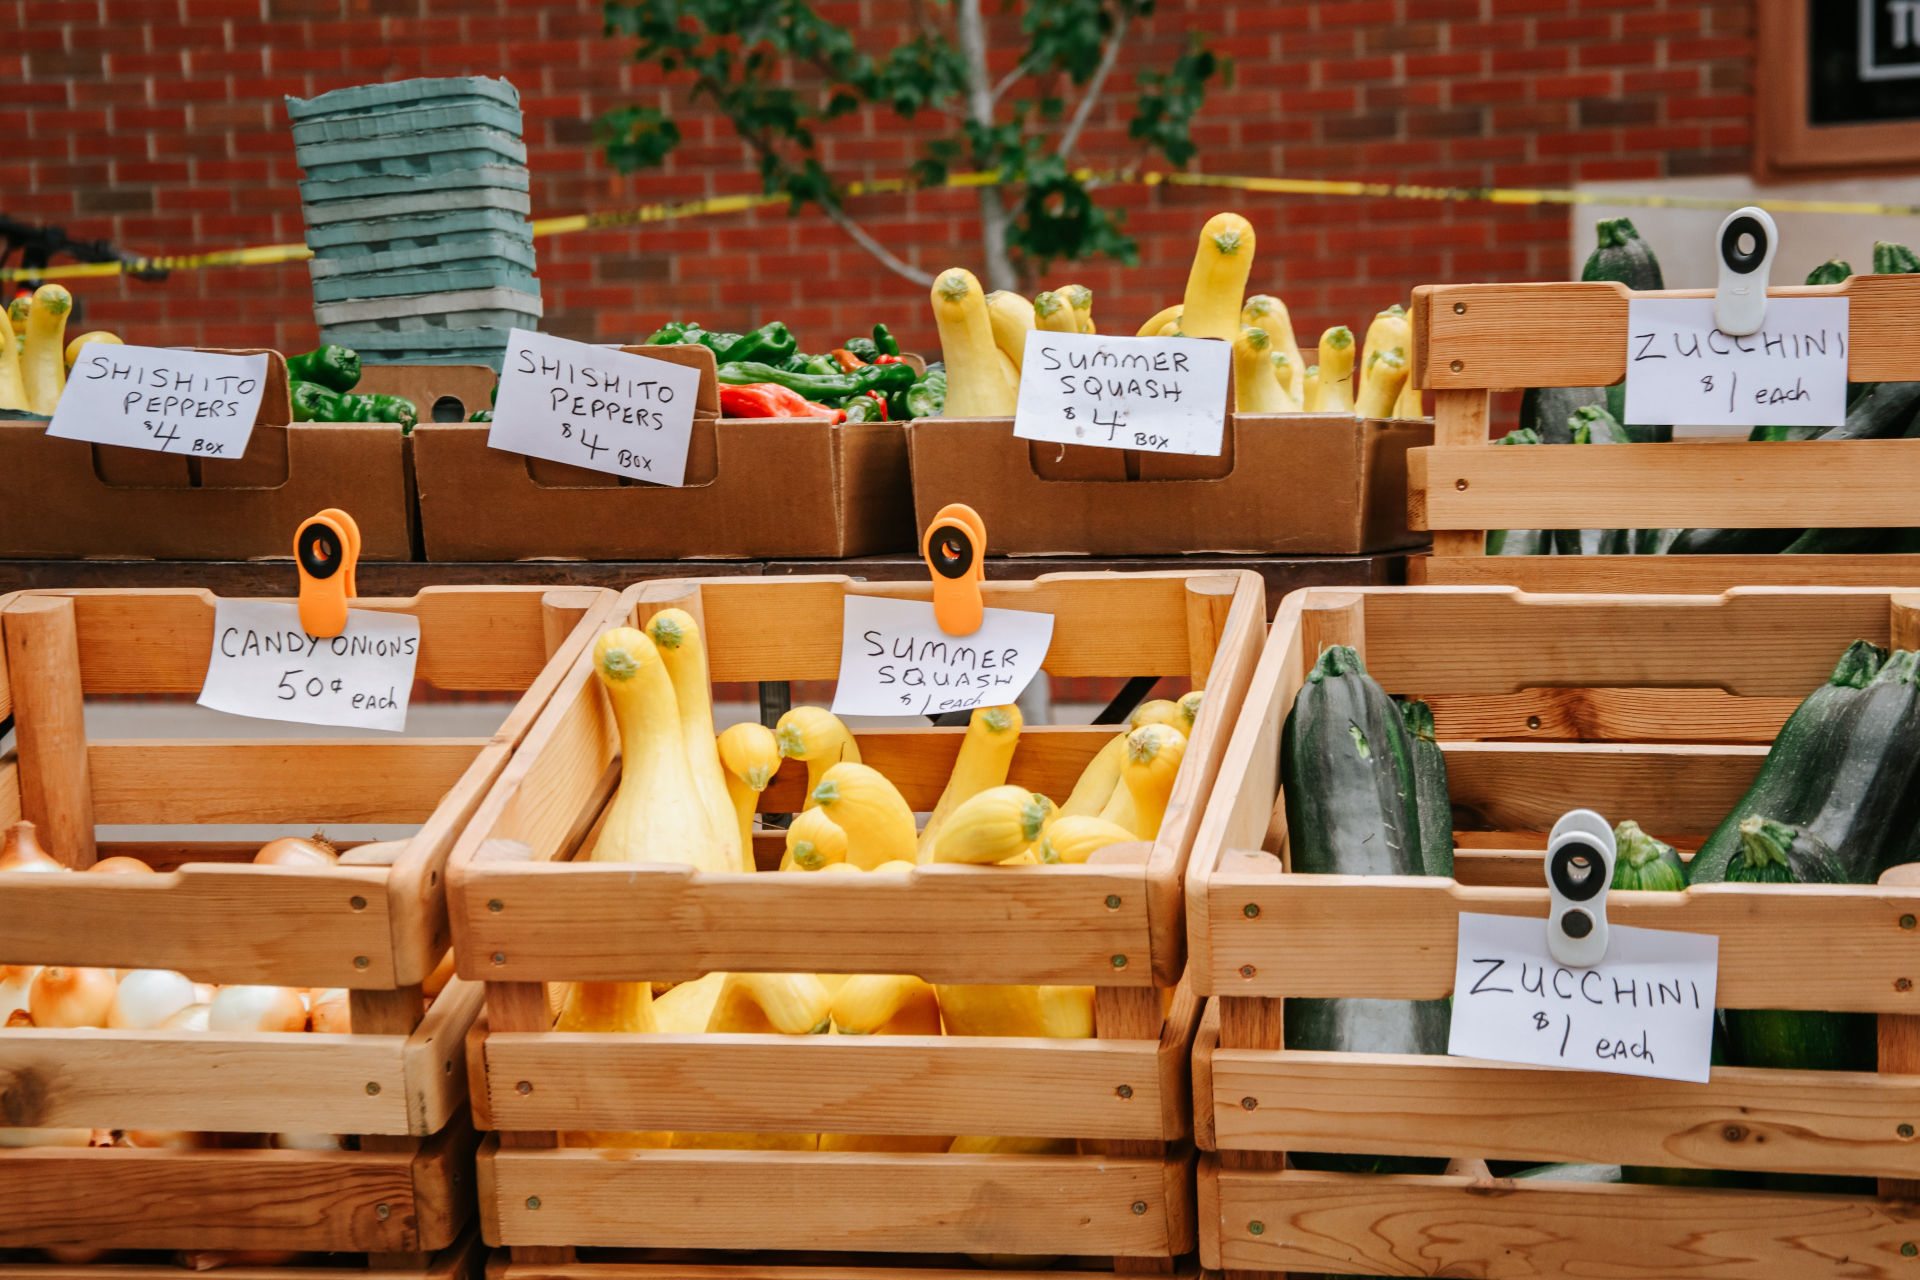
866	378
323	383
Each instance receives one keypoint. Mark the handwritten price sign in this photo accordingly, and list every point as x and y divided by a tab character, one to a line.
1683	370
1162	395
593	407
896	661
265	665
191	402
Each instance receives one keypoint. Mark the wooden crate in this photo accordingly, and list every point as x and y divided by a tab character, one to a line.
378	930
1470	340
1650	707
524	917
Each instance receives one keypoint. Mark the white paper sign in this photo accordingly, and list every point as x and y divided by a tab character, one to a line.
1162	395
1646	1010
1681	369
191	402
896	661
266	666
605	410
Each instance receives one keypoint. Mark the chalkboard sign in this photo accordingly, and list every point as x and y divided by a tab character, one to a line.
1863	61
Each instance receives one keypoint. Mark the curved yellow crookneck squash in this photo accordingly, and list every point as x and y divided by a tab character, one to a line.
1265	311
1256	385
1310	398
814	842
1154	753
43	362
1052	312
1218	280
682	648
1098	780
688	1008
995	825
1078	838
1385	332
986	751
656	815
862	803
623	1007
1012	319
815	736
977	385
13	387
1336	370
1159	320
1080	298
1410	405
1189	705
751	756
1384	381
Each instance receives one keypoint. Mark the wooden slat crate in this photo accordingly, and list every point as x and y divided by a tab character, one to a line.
524	917
1471	340
1599	673
397	1082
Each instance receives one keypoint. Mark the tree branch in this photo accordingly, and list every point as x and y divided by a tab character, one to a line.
1013	77
1095	85
860	236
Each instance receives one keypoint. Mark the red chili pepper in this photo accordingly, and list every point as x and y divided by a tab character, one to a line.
766	400
835	416
886	359
881	401
847	360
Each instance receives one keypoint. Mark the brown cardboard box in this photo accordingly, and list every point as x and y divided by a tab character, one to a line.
1284	484
69	499
776	487
440	392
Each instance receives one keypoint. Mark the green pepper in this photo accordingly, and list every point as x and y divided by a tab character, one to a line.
390	409
485	415
769	344
670	333
864	348
884	340
335	368
817	386
865	409
827	366
928	397
315	403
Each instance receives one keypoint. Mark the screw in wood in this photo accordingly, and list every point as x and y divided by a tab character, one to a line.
1906	922
1256	1228
384	1211
1139	1207
1125	1091
1460	484
1903	984
1457	365
499	957
1113	902
357	902
1246	971
1459	308
361	962
1909	1249
1533	722
1250	1102
1251	911
533	1202
494	904
1119	962
524	1088
373	1087
1905	1131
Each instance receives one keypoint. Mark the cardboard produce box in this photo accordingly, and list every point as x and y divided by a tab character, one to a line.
775	487
1284	484
73	500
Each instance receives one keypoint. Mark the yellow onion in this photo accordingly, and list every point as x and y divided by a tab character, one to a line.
297	851
442	974
191	1018
147	998
22	851
331	1012
121	866
15	981
162	1139
250	1008
63	996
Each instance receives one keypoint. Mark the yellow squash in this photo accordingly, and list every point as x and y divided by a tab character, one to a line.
656	815
1256	387
1153	760
751	757
993	826
1411	405
682	648
1012	319
981	1145
95	335
13	389
1189	705
814	842
878	823
886	1004
1057	1013
1080	298
986	750
1159	320
783	1004
1158	711
1078	838
620	1007
1336	370
1054	313
43	363
1218	280
1097	780
977	385
1384	382
1310	396
816	736
1265	311
1388	331
1286	369
688	1008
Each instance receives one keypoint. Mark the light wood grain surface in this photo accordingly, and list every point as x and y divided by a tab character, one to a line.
462	1260
1611	715
1049	759
1672	788
42	647
1493	1229
1666	575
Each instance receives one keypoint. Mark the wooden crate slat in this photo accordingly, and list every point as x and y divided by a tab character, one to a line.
1841	1123
458	1261
1049	760
853	1084
667	922
1666	575
1671	789
261	780
1640	715
813	1200
1781	946
1428	1226
1566	334
1778	485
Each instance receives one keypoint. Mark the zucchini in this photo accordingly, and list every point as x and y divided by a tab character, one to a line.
1430	791
1891	259
1832	271
1888	410
1732	542
1646	863
1836	542
1777	853
1621	255
1869	810
1351	791
1545	410
1801	766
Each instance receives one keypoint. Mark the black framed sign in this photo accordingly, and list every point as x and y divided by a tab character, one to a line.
1837	89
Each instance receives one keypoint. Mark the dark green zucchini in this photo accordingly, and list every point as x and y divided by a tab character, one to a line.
1872	802
1636	433
1832	271
1430	791
1546	410
1882	413
1778	853
1654	542
1621	255
1891	259
1645	863
1732	542
1838	542
1347	765
1801	766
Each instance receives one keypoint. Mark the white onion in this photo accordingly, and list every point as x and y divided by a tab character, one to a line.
15	981
297	851
147	998
332	1012
191	1018
163	1139
46	1137
308	1142
22	851
249	1008
62	996
120	866
204	992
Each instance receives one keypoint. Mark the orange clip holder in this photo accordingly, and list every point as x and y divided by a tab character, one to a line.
326	548
955	548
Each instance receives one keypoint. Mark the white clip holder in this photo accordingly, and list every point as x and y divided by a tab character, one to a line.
1580	857
1740	299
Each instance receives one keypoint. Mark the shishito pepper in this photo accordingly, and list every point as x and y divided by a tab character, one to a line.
770	343
315	403
884	341
334	367
927	398
838	386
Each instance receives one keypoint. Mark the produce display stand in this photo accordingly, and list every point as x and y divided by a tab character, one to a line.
396	1081
1470	340
1580	669
754	488
1284	484
80	500
524	917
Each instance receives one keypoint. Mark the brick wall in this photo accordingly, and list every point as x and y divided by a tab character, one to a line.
158	123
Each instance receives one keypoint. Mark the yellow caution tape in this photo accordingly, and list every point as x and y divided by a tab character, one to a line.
273	254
